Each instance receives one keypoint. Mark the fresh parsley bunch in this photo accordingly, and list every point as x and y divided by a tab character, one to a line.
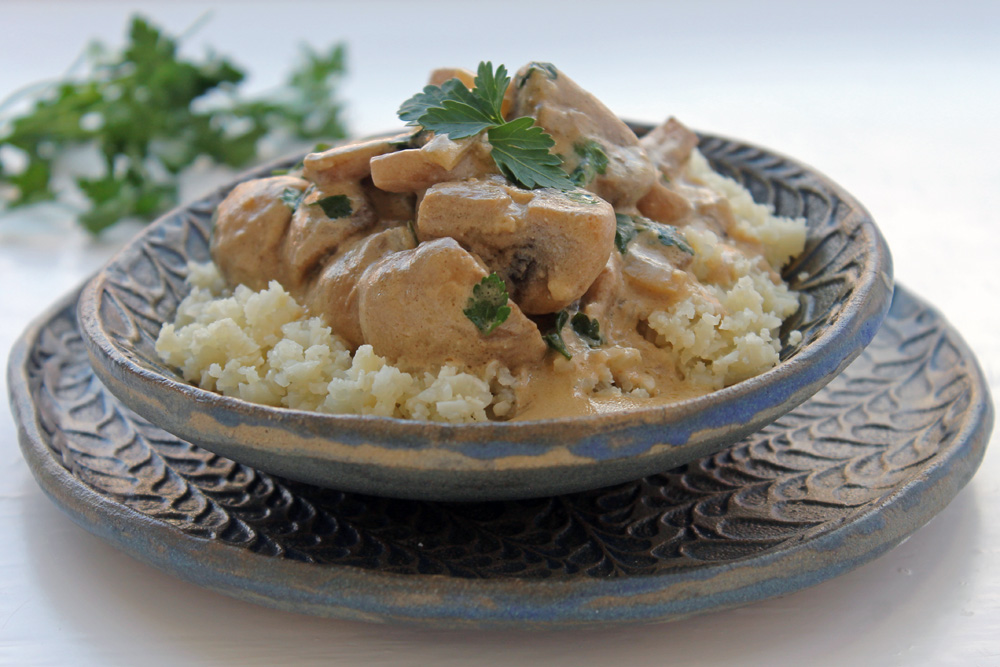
150	114
520	148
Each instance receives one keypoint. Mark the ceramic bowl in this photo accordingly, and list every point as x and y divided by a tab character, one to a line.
844	277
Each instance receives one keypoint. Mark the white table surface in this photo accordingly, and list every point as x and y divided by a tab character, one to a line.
898	101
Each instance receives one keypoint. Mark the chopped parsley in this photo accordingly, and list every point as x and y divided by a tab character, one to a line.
553	337
292	198
411	140
335	206
520	148
546	68
671	236
582	197
593	163
588	329
487	307
627	227
625	231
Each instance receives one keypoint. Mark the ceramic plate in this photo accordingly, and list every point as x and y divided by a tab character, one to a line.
844	277
827	487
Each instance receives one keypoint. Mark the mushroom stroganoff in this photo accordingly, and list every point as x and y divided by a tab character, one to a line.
519	253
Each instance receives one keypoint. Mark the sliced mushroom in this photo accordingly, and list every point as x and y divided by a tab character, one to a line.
349	162
669	146
335	292
547	245
573	117
314	235
602	300
664	205
250	228
650	273
411	310
439	160
391	208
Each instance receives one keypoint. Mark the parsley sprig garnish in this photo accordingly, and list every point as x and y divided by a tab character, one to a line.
521	150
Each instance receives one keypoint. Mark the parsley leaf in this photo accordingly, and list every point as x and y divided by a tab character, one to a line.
593	162
627	227
141	110
520	149
671	236
588	329
553	338
335	206
625	231
582	197
548	69
490	88
292	198
432	96
487	307
457	111
456	119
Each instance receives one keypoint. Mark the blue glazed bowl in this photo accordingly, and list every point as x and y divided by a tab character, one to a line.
844	277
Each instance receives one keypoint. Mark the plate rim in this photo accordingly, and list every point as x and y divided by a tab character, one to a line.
481	603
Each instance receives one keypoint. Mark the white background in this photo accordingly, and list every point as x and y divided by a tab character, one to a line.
897	101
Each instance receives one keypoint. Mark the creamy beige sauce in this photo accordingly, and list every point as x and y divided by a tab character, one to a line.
550	393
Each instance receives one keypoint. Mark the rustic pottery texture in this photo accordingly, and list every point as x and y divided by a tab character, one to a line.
844	276
832	484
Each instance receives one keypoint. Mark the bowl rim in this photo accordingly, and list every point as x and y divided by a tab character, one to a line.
699	424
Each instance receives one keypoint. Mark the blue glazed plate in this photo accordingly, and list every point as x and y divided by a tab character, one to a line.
844	277
827	487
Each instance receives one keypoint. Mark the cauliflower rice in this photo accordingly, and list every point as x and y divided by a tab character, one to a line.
732	334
